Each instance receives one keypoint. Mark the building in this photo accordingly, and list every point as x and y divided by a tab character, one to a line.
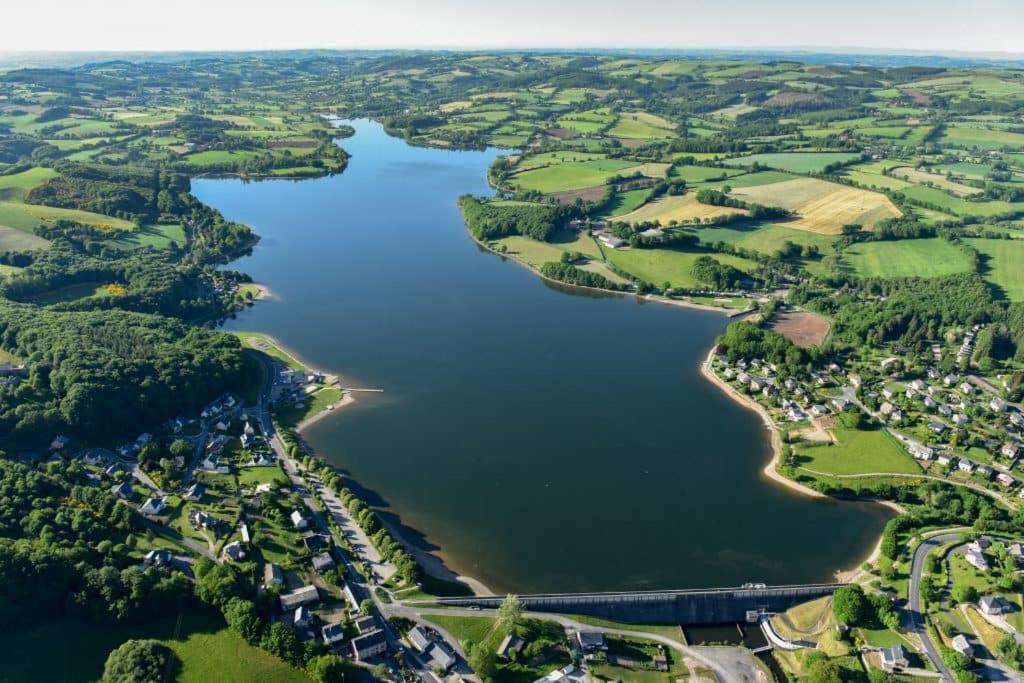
441	658
511	645
243	531
921	452
418	638
936	426
332	633
365	624
369	645
1010	449
894	659
195	492
819	410
323	562
612	241
272	575
158	558
992	605
299	520
234	551
307	595
153	506
961	645
123	490
977	559
591	641
302	617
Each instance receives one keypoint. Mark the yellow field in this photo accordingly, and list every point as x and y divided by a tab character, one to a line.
821	206
652	169
680	208
920	177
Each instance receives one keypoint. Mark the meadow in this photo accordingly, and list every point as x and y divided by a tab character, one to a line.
856	452
572	175
821	206
682	208
1004	266
932	257
658	266
794	162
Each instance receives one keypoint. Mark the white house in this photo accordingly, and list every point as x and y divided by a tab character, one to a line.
977	559
299	521
153	506
961	645
992	605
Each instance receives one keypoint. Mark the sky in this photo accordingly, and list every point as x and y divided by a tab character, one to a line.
937	26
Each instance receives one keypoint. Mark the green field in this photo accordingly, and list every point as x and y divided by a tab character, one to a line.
624	202
658	266
795	162
981	138
19	240
571	175
13	188
700	174
30	216
857	452
208	651
219	157
933	257
642	126
1004	266
156	236
961	207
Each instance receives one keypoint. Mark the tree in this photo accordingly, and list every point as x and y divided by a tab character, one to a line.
329	669
823	670
216	584
366	606
963	592
243	619
180	448
510	613
850	606
483	661
280	641
139	661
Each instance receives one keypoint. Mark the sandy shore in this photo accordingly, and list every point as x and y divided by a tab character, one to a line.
347	399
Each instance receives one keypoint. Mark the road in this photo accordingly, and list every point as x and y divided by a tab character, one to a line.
917	621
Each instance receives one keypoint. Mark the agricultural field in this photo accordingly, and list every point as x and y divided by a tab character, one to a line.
642	126
981	138
680	208
922	177
794	162
28	217
571	175
803	328
931	197
13	188
932	257
821	206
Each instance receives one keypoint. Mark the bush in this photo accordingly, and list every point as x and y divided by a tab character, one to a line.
850	605
140	661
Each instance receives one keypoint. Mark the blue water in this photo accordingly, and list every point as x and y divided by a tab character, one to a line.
542	439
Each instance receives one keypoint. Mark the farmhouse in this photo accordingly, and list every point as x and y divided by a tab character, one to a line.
612	241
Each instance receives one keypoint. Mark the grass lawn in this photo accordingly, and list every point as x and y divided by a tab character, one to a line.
1003	265
658	266
796	162
218	157
260	342
208	651
251	476
465	629
625	202
857	452
933	257
12	239
74	292
570	175
673	632
317	402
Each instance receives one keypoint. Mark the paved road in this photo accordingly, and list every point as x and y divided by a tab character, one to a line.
914	597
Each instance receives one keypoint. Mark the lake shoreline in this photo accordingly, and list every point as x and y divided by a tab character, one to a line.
770	471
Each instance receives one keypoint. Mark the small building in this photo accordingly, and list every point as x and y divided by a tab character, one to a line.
841	403
299	521
369	645
195	492
234	551
612	241
886	408
1010	449
323	562
243	531
272	575
966	389
944	460
992	605
366	624
961	645
819	410
441	658
965	465
959	419
936	426
315	542
153	506
591	641
511	645
332	633
894	659
997	405
158	558
977	559
307	595
123	490
302	617
921	452
418	638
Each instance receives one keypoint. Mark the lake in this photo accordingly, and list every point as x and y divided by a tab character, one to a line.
542	439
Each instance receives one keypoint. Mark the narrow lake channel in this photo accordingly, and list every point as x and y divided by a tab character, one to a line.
541	439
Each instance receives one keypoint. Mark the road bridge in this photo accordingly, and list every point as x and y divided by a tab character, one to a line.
688	607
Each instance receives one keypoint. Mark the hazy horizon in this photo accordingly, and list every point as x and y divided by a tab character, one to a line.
995	27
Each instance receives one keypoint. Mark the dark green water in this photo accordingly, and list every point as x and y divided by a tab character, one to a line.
544	440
